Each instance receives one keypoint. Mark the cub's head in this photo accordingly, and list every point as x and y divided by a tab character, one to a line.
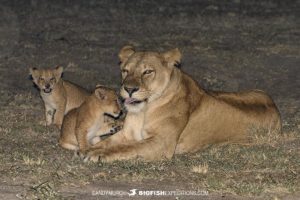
46	79
145	75
109	101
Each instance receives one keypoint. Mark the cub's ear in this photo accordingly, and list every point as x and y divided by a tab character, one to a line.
125	53
33	72
58	72
99	85
172	57
100	92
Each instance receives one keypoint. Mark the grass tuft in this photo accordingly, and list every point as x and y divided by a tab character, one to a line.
33	161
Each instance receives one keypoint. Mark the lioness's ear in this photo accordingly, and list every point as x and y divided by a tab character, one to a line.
172	57
33	72
58	72
100	92
125	53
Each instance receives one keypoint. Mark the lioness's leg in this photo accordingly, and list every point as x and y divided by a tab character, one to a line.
149	149
123	145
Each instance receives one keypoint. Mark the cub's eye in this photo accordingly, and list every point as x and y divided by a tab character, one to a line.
41	78
148	71
52	79
124	71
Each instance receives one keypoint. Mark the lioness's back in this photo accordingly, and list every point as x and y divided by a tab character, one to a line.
248	100
229	117
253	102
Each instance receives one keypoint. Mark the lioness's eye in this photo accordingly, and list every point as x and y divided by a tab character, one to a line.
124	71
41	79
52	79
149	71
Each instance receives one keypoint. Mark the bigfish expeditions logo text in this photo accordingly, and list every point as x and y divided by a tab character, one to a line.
135	192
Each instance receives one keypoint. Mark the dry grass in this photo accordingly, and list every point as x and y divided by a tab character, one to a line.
201	169
32	161
267	167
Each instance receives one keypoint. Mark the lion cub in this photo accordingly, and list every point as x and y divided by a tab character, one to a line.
82	126
59	96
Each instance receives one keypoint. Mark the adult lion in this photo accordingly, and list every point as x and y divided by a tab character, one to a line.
169	113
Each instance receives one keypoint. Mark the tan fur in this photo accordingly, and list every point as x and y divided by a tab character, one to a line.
82	126
59	96
168	113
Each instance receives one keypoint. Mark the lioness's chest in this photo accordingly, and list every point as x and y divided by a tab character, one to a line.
134	126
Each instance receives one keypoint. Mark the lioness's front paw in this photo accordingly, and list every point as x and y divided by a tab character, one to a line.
94	155
91	158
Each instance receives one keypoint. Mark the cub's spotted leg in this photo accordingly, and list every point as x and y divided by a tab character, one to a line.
49	114
106	132
59	114
109	127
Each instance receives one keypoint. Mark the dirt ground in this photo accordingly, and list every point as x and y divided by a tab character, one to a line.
226	45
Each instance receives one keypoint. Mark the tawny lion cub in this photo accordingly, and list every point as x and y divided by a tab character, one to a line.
59	96
82	127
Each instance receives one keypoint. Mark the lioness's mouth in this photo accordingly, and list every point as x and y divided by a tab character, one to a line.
47	90
132	101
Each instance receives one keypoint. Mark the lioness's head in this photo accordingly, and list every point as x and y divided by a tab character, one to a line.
145	75
109	101
46	79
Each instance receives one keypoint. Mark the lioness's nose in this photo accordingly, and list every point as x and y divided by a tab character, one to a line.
131	90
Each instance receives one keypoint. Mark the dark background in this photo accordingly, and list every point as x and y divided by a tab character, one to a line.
226	45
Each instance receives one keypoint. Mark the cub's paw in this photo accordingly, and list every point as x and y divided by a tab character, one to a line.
95	140
115	129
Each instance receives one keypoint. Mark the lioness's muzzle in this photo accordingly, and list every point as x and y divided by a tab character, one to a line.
131	90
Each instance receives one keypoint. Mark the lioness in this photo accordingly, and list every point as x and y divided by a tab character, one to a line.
169	113
59	96
82	126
